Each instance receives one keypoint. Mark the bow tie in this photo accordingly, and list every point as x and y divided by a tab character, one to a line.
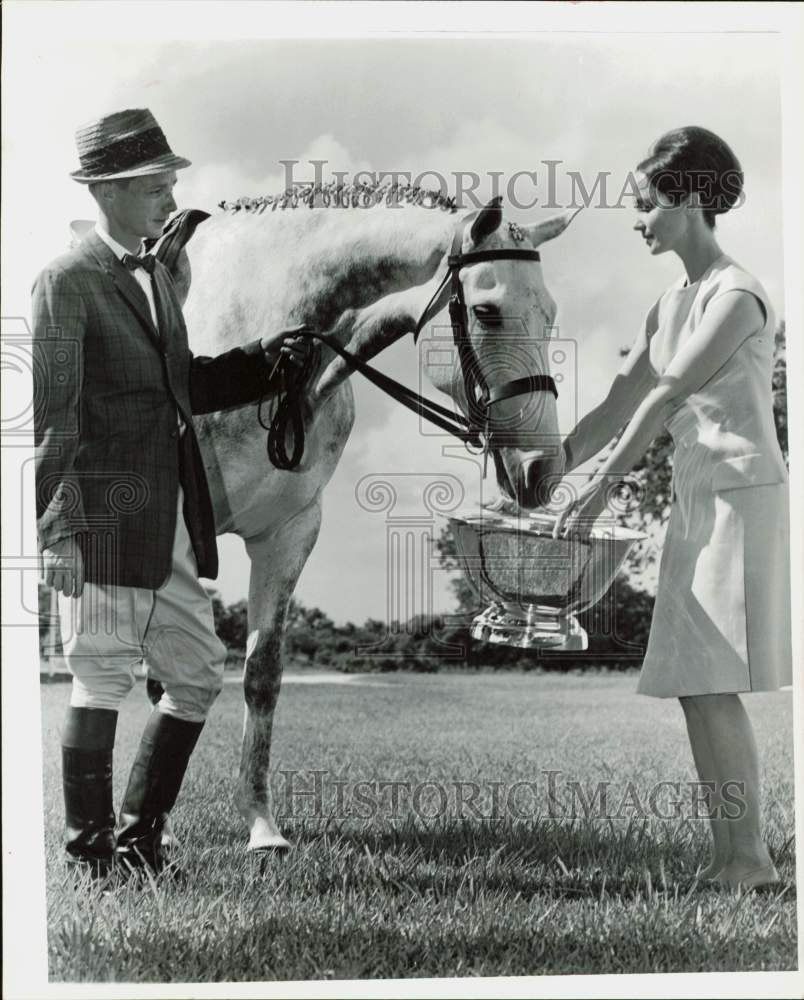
132	262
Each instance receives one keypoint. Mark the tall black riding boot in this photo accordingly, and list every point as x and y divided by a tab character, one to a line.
87	747
153	786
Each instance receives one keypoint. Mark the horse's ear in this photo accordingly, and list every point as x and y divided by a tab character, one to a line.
541	232
487	221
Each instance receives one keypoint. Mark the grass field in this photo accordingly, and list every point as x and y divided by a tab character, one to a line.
507	882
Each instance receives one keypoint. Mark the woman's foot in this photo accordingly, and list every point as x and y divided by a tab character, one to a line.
742	875
712	870
722	852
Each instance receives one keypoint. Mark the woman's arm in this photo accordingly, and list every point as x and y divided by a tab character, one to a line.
645	425
631	384
728	322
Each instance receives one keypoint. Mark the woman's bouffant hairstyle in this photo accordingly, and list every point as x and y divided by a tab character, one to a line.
693	160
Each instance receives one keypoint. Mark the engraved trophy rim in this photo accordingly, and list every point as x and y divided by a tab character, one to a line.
542	524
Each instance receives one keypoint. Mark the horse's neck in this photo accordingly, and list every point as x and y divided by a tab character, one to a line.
373	253
355	273
388	264
368	331
375	281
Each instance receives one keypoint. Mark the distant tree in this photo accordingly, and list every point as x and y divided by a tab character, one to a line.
465	599
231	623
779	383
310	633
294	613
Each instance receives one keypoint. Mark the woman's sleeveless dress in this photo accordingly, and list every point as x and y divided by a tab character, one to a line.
721	621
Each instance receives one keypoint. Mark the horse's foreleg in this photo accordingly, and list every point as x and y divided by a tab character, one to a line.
277	560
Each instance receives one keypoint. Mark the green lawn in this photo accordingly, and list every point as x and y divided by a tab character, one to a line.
369	890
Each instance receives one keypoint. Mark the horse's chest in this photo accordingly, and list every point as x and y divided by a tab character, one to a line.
248	493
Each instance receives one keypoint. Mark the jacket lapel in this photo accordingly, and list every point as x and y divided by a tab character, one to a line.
124	281
164	312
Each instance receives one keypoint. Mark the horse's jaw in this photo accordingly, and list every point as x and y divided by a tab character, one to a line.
528	475
531	460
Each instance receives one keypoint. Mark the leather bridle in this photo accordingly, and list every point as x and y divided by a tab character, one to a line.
480	397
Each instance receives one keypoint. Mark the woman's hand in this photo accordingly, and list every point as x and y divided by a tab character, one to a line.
580	512
502	504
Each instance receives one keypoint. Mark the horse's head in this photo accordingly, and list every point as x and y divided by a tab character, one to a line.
509	314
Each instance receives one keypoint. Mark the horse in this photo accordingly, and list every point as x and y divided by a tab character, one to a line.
365	263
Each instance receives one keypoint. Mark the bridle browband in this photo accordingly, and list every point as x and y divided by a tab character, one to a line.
475	430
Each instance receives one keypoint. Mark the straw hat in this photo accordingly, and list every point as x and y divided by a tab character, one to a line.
124	144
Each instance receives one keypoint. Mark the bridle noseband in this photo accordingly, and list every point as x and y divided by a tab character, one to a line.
479	396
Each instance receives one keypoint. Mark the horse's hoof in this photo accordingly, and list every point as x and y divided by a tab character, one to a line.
264	835
269	845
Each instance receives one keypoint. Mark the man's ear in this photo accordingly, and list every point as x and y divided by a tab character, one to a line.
103	191
108	189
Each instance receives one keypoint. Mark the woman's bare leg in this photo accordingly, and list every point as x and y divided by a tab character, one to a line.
707	773
722	724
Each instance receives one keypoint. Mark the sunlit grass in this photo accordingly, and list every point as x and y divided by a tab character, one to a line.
373	891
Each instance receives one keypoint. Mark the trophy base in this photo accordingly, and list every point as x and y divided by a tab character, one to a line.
531	628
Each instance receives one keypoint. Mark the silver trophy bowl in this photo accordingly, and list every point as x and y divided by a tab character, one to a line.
535	584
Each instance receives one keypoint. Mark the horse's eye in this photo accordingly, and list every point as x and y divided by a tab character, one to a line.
487	315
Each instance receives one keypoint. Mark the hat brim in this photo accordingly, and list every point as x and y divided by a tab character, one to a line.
157	166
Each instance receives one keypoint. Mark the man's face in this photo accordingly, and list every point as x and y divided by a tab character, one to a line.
140	207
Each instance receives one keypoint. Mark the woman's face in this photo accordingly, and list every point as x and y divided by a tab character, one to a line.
661	224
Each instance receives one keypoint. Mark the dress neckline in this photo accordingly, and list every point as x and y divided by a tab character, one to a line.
691	284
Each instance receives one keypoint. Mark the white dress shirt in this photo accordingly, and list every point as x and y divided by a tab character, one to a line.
143	278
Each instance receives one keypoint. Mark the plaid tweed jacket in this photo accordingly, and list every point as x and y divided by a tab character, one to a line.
109	456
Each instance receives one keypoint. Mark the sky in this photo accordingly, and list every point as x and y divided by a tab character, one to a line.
237	108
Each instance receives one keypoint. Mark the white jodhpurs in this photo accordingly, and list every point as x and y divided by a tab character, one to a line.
109	631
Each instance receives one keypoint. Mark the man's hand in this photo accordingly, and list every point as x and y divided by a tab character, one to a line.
63	567
290	345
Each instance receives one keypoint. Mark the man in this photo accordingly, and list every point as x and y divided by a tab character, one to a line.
124	515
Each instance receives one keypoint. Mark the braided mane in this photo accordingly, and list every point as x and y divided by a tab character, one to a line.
332	195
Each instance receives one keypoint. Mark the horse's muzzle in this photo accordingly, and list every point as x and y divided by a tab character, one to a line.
529	476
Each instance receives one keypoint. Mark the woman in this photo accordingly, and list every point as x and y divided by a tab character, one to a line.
701	368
